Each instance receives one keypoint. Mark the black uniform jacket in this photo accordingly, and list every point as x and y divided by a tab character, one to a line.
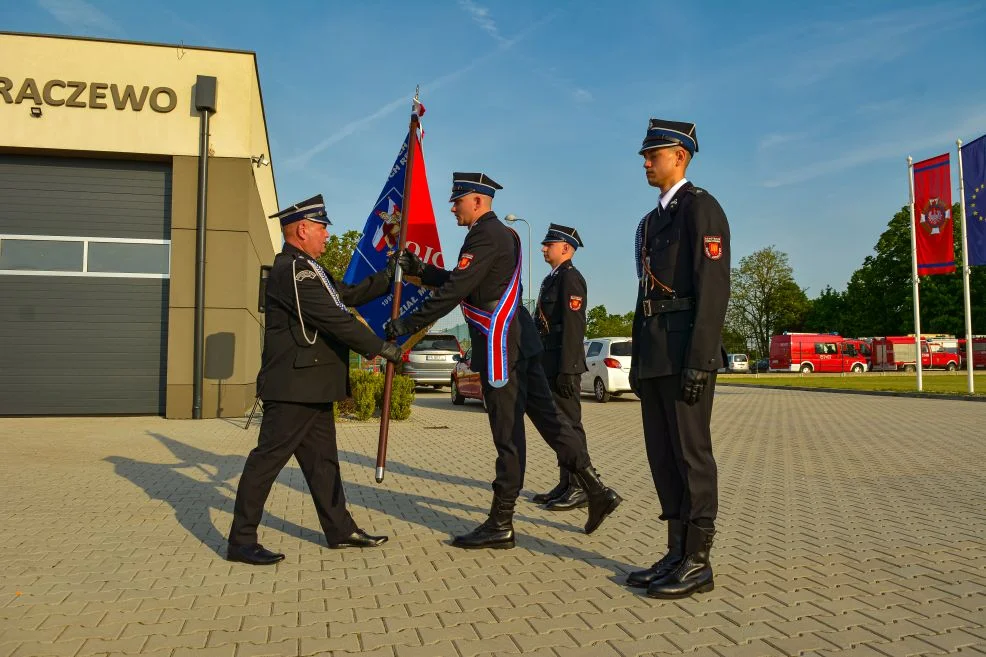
294	370
561	321
688	246
482	273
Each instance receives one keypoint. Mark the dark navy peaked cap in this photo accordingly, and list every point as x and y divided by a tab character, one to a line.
312	209
661	134
559	233
472	183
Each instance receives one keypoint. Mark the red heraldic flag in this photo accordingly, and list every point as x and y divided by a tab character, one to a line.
933	216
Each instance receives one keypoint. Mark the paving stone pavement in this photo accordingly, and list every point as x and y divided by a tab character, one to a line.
849	526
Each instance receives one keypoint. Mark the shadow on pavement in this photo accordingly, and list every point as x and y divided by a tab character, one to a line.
193	498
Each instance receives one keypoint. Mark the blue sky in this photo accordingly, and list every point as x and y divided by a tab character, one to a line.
805	111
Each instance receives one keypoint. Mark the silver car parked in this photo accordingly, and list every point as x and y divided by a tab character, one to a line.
430	362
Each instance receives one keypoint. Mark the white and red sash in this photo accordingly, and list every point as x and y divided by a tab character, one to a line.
496	325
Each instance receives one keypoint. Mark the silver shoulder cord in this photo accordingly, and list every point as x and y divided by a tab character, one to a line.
297	303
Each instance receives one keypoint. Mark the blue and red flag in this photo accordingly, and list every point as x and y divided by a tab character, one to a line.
974	179
382	231
933	216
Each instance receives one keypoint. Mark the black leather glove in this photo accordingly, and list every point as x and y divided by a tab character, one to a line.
392	265
395	328
567	384
693	384
634	381
391	352
411	264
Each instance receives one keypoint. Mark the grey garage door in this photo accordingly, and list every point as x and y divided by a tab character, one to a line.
84	275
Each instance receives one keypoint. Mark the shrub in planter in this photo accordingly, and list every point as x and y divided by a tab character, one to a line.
364	388
401	397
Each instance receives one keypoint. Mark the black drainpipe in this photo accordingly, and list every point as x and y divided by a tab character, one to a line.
205	104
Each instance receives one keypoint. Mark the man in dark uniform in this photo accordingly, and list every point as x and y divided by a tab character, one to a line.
560	319
304	369
682	254
506	352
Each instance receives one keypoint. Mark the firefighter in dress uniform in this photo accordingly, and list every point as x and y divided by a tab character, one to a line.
682	256
304	369
561	320
506	352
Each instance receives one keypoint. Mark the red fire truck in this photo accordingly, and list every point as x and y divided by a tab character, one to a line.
898	352
978	351
816	352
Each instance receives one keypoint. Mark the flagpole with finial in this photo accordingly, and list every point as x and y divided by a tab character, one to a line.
966	270
395	311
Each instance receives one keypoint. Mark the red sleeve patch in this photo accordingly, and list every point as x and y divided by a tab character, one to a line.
575	303
713	246
464	260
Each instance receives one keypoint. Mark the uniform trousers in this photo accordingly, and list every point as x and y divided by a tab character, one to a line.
571	408
527	391
308	432
679	449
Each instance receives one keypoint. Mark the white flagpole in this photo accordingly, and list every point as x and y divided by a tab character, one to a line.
966	270
914	279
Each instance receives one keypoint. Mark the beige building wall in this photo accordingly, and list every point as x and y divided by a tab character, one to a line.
237	243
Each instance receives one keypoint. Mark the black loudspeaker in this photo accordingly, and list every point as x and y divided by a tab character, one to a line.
262	293
220	349
205	93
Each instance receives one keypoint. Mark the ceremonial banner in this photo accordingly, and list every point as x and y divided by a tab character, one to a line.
933	216
974	177
380	236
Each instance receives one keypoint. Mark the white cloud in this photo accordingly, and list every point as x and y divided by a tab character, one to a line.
481	16
80	15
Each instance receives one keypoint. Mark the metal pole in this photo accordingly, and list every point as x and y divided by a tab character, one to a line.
513	218
198	362
966	271
915	281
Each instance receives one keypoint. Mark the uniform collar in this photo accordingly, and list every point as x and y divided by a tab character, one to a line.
485	217
668	195
292	250
564	265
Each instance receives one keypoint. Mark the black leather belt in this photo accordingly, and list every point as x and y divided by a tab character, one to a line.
660	306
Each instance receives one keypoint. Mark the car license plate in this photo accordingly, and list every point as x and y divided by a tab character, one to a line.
434	357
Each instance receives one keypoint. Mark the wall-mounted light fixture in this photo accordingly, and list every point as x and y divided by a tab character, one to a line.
260	160
36	112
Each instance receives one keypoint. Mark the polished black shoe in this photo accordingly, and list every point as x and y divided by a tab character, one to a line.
602	500
358	539
557	491
693	574
641	579
255	555
496	532
574	497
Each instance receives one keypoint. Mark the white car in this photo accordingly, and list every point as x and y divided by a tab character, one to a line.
608	360
736	363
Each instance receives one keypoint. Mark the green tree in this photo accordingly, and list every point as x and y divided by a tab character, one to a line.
765	299
339	250
827	313
600	323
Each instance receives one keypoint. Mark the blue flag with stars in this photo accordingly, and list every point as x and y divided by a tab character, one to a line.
974	178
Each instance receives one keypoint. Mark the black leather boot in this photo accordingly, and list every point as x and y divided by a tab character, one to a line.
641	579
557	491
694	573
573	498
602	500
496	532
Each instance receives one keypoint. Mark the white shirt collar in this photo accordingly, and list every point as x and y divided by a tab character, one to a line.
668	195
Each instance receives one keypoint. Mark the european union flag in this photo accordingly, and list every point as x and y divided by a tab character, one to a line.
974	179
